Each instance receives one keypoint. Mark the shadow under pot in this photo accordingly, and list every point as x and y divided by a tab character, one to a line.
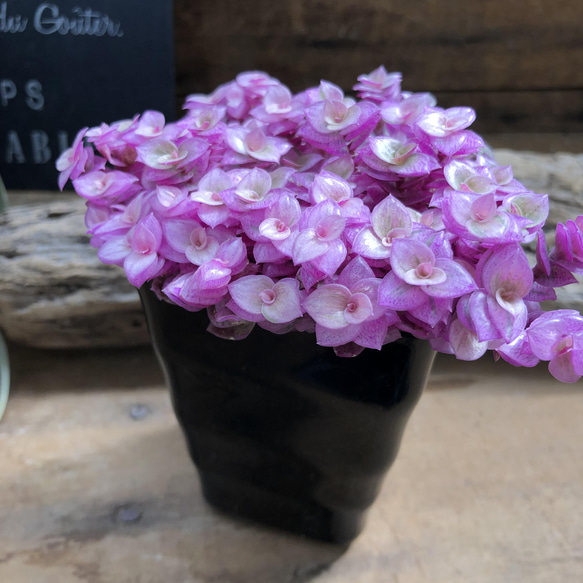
282	431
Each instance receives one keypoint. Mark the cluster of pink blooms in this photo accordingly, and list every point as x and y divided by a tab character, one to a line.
357	219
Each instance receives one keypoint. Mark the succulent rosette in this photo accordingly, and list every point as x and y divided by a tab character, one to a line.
358	219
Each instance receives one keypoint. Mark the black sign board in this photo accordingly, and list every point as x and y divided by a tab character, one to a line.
67	64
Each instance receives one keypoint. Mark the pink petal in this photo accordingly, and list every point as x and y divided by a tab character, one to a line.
177	233
509	324
313	216
327	304
330	261
286	245
308	246
141	268
213	215
358	309
368	244
232	253
254	186
507	268
457	283
465	343
495	228
436	277
432	311
238	331
457	172
370	287
211	276
315	115
286	306
245	292
518	352
372	334
542	256
390	150
160	154
444	123
390	214
478	180
534	207
274	229
459	143
330	227
563	244
484	207
310	275
417	165
558	277
548	328
236	139
147	235
357	270
272	151
103	187
115	250
478	308
539	293
394	293
336	337
267	253
342	166
198	256
287	209
348	350
332	143
562	368
151	124
244	314
328	90
407	254
328	186
215	181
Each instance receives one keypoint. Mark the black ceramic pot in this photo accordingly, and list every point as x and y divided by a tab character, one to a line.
283	431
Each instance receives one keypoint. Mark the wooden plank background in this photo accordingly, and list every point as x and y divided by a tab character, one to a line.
518	62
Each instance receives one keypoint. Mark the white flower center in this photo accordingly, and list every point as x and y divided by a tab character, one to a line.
267	296
424	270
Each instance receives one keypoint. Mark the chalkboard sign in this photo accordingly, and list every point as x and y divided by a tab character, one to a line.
73	63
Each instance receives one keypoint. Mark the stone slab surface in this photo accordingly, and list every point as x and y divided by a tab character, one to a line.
96	485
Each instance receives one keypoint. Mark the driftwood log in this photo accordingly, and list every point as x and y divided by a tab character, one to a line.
54	292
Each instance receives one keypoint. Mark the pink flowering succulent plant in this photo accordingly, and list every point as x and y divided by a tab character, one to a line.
356	219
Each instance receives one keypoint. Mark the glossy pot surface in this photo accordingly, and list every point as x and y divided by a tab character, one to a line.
282	431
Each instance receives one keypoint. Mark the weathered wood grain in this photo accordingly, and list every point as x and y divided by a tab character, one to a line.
54	292
517	62
521	111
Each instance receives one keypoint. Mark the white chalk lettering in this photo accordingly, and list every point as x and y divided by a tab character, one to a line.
7	91
48	20
11	24
34	95
14	151
41	153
